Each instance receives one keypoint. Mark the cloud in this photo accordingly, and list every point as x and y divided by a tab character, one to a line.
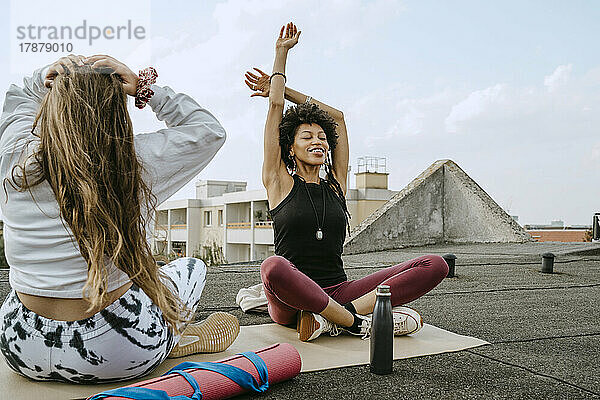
410	123
338	24
563	105
560	77
385	115
477	103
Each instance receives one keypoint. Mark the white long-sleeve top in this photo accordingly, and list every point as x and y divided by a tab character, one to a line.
42	253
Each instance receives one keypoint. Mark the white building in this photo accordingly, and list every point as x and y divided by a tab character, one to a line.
227	223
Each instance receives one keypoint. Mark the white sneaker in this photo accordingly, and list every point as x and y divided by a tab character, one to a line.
406	321
311	325
365	327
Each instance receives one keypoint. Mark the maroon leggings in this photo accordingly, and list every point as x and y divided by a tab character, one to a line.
289	290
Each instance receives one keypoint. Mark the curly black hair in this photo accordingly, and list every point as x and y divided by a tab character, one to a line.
310	113
304	114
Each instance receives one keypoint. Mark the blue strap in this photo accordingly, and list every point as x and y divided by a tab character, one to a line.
138	393
261	367
197	395
237	375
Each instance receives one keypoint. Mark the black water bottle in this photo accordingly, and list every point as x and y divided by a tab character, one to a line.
382	332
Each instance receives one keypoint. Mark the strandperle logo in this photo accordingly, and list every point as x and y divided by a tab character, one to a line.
41	33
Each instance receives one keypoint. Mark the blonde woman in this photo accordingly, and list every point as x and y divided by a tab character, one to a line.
89	303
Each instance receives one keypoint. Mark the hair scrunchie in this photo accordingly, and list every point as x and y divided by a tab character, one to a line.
143	92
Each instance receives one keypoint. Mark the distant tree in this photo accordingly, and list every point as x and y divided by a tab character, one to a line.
588	235
211	254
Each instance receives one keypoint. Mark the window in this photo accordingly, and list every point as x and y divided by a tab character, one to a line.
207	218
220	217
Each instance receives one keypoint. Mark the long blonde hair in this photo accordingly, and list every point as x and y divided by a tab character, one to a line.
87	155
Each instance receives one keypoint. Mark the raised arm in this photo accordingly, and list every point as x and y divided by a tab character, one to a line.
174	155
260	83
274	173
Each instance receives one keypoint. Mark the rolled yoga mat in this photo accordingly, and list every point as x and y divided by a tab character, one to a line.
282	361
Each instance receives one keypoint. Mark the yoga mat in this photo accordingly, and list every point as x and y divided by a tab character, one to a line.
323	353
282	361
328	352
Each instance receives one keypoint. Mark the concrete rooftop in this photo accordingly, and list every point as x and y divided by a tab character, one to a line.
544	329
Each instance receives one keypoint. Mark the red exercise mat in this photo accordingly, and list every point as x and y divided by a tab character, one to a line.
282	360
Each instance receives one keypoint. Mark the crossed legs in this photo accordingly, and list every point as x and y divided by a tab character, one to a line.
288	290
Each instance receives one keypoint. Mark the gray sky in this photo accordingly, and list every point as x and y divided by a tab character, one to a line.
506	89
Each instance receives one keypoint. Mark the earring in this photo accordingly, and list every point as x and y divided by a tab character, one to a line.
294	166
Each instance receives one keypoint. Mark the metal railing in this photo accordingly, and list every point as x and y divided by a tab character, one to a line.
238	225
372	164
164	227
263	224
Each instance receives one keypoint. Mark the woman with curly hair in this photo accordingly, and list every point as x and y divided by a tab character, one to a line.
305	281
89	303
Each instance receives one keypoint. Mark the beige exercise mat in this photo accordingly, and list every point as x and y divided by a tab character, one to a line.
323	353
328	352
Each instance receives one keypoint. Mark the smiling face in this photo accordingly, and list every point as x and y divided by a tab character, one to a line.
310	145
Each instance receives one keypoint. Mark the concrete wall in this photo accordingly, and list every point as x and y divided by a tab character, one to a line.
207	235
471	215
264	236
417	221
443	204
236	235
179	234
194	230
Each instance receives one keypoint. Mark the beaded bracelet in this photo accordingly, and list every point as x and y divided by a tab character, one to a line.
143	93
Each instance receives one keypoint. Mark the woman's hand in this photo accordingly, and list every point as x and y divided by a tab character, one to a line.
127	76
260	84
290	39
62	67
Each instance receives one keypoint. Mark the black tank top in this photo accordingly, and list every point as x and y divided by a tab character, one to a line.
295	227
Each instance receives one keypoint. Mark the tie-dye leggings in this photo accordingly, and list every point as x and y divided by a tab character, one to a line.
126	340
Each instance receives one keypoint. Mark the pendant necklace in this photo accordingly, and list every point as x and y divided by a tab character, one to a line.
319	233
